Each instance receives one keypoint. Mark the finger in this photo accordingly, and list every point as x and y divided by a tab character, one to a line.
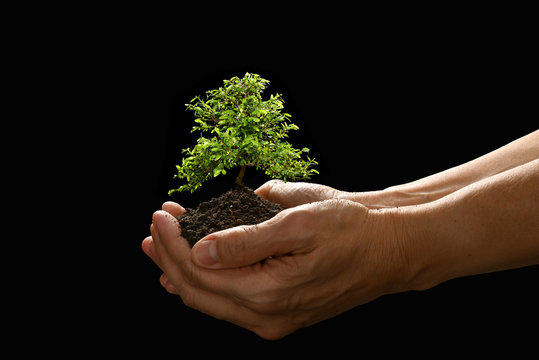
168	285
246	245
167	236
212	292
149	249
268	326
208	302
291	194
170	267
173	255
173	208
224	308
148	245
273	191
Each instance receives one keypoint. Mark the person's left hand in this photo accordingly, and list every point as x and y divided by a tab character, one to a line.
307	264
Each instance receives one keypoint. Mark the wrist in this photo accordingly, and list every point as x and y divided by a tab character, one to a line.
370	199
425	259
398	243
387	198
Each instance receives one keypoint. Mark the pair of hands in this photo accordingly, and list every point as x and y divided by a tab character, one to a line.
320	257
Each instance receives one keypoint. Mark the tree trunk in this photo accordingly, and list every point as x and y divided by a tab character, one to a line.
239	179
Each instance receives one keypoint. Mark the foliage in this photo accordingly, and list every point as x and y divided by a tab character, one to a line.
239	129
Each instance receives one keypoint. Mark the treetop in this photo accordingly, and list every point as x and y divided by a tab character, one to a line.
239	129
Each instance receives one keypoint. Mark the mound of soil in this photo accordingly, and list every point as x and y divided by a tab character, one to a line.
240	206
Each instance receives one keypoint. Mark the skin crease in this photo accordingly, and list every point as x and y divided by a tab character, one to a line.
330	250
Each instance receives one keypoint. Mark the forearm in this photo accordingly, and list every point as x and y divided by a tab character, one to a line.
436	186
490	225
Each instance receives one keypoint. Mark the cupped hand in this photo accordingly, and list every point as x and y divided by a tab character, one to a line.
308	263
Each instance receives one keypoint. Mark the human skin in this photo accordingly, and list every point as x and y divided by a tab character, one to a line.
332	250
427	189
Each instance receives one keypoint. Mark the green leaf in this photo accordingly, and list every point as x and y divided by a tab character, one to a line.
248	131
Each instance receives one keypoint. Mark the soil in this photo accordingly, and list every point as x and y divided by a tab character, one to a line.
239	206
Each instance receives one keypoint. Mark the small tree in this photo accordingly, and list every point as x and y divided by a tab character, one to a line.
241	130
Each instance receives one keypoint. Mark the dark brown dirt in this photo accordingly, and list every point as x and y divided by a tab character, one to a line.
240	206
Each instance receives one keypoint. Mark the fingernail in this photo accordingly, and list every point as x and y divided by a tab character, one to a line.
206	252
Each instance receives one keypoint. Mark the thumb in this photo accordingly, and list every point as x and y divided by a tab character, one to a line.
292	194
239	246
287	194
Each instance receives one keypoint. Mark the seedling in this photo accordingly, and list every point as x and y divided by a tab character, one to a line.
239	129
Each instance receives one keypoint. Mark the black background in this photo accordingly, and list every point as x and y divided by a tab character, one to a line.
376	110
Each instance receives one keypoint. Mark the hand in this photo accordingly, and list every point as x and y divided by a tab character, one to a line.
148	244
290	194
307	264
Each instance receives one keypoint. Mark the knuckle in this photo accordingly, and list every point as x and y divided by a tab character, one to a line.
171	289
269	188
294	218
188	298
234	246
189	275
274	183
